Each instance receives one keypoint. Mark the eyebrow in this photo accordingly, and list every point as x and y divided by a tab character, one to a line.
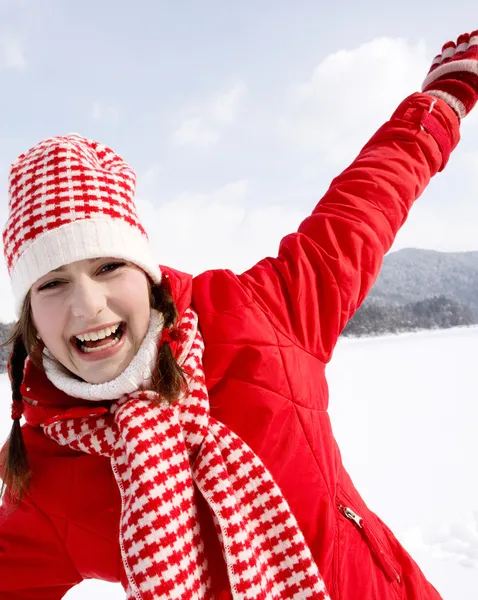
62	268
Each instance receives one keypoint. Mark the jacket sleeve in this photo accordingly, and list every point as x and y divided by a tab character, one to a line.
324	271
33	562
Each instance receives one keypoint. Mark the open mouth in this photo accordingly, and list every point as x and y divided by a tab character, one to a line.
88	346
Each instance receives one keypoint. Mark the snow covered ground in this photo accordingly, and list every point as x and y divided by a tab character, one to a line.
405	412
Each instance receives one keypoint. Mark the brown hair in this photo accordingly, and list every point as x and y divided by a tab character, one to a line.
168	381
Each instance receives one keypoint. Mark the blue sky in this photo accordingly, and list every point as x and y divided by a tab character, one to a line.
235	116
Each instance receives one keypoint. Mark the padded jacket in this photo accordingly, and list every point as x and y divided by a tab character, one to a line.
269	333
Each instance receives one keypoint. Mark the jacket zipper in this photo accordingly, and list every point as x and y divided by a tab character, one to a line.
373	542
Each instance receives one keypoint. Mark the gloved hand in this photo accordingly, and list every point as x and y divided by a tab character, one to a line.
453	76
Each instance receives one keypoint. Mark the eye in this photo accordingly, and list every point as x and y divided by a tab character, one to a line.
109	267
50	285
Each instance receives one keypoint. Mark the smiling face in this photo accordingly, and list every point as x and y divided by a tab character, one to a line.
89	299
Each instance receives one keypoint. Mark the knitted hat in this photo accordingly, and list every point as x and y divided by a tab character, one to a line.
71	199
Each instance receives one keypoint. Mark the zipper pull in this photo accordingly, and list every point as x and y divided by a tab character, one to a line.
350	514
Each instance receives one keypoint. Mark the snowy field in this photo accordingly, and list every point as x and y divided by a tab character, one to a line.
405	412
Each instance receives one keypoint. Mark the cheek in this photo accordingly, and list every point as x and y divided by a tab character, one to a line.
135	303
48	321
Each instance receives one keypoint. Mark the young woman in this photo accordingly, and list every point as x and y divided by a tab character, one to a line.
176	434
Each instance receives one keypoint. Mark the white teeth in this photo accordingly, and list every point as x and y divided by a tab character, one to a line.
98	335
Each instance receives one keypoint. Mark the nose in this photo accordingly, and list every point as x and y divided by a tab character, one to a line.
87	299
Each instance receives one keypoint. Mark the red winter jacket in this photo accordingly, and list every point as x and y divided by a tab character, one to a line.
268	334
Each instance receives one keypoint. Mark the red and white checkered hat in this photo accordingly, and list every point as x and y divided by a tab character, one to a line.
71	199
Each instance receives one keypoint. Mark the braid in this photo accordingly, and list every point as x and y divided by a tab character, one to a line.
168	377
16	471
163	302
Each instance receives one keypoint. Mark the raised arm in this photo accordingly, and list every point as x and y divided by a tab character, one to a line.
325	270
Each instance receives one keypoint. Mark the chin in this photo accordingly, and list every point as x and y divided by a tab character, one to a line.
96	372
101	376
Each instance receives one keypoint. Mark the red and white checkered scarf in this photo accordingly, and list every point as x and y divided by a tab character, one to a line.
159	454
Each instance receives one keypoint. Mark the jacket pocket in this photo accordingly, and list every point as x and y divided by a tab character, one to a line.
381	555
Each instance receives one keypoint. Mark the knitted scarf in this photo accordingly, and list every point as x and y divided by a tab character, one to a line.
160	455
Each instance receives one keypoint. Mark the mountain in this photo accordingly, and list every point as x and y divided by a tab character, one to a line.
412	275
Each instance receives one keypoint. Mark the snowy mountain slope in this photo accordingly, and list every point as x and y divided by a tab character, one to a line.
413	274
405	413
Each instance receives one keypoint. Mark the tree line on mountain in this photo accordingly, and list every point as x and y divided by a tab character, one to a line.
438	312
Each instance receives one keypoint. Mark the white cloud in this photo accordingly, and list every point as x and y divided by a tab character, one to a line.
225	106
151	175
446	230
194	132
472	117
457	541
12	53
351	93
107	113
7	313
215	229
203	124
470	165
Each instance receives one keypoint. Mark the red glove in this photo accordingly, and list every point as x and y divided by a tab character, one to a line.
453	76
